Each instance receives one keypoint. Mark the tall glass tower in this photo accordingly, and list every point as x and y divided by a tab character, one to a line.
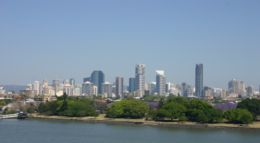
131	87
98	79
199	80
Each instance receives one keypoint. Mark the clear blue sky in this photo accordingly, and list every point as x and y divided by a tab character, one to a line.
59	39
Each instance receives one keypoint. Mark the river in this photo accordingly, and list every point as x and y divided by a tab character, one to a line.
45	131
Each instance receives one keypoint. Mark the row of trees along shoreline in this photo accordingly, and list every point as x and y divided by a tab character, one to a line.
170	109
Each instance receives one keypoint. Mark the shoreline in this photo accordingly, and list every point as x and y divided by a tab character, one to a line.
143	122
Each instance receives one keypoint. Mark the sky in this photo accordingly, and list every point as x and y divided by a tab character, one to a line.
60	39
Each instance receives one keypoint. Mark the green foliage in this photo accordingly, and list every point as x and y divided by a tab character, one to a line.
151	98
9	111
239	116
252	105
197	115
64	105
207	115
71	107
101	107
129	108
172	111
200	111
180	100
4	102
50	108
78	108
188	109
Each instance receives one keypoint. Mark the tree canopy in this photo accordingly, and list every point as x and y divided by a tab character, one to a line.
129	108
252	105
71	107
239	116
181	108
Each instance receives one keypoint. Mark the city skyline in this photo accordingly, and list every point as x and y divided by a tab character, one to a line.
97	78
96	85
45	40
147	81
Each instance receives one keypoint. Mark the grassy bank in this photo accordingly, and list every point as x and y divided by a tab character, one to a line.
103	119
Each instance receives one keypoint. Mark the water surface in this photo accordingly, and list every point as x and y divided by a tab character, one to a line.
45	131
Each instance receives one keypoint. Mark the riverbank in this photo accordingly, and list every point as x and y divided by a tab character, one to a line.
103	119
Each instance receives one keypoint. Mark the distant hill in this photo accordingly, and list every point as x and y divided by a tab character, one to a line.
14	88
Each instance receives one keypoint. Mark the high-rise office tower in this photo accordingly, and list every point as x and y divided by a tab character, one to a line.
107	89
88	89
152	88
98	78
140	79
56	86
36	88
119	87
131	87
186	90
168	87
72	82
199	80
250	91
237	87
160	82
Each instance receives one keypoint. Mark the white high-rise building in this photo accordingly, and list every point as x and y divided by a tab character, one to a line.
95	90
237	87
77	90
2	90
107	90
67	88
160	82
140	79
88	89
36	88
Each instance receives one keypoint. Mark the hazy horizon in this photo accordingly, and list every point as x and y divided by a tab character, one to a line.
61	40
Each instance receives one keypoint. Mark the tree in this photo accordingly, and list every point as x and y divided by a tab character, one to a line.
129	108
239	116
71	107
192	109
197	115
64	104
79	108
180	100
252	105
172	110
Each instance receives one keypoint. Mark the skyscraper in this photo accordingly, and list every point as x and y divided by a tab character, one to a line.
98	78
237	87
72	82
199	80
56	86
250	91
88	89
107	89
140	79
131	87
160	82
186	90
36	88
152	88
119	87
